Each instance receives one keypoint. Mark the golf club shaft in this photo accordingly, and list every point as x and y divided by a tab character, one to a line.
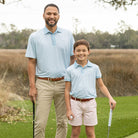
33	118
108	132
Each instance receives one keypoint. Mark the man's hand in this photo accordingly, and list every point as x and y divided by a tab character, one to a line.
33	94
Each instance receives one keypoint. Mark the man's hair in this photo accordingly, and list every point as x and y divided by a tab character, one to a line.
82	42
51	5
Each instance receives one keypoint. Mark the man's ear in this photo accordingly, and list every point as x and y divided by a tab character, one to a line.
43	16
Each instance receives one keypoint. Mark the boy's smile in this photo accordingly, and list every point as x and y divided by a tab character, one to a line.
81	53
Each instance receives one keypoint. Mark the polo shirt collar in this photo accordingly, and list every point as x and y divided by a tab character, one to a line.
46	31
89	64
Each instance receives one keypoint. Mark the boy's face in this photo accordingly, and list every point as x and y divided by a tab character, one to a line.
81	53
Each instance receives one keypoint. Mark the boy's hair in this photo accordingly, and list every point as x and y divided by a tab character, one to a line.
51	5
82	42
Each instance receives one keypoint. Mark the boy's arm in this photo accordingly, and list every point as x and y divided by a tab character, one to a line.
67	99
105	91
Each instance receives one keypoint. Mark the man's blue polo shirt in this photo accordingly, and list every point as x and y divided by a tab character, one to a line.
83	80
52	51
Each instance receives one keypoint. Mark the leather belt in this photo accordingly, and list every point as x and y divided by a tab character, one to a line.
81	100
51	79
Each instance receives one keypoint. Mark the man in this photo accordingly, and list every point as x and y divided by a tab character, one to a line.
50	52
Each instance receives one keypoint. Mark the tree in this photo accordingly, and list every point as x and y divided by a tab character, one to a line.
120	3
128	39
115	3
11	1
76	23
2	1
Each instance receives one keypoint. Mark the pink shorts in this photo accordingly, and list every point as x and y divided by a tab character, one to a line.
85	113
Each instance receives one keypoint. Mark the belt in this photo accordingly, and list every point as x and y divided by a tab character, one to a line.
51	79
81	100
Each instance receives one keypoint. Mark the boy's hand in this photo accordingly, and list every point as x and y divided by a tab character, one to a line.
70	115
112	103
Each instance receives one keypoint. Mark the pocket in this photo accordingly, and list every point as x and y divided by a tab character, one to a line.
91	105
37	82
94	103
43	84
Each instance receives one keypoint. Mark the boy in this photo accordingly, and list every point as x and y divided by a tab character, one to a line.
80	91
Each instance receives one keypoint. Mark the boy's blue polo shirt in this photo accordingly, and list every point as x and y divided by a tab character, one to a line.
52	51
83	80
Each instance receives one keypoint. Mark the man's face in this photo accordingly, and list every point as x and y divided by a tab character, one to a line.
51	16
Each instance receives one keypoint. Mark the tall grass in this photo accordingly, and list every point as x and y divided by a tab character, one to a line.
13	71
118	67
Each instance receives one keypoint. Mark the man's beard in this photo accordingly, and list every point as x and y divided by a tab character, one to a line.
51	25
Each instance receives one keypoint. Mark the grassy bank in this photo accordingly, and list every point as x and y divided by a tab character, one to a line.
124	120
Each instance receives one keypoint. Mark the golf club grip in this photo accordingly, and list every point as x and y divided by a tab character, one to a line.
33	110
110	118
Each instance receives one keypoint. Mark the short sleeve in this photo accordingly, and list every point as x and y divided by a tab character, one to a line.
72	44
98	73
31	48
67	76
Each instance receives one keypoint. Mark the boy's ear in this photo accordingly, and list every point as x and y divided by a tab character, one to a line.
89	52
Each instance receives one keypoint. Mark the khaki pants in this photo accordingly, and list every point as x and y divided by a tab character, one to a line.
47	91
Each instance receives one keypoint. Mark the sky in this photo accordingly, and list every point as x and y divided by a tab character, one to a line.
90	16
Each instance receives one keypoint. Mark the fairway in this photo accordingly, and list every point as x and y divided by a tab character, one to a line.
124	120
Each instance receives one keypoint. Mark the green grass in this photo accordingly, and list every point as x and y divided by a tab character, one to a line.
124	120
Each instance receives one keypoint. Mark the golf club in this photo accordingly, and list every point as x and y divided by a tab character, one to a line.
33	118
109	122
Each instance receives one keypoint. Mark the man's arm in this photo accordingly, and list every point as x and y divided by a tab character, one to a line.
105	91
31	74
67	99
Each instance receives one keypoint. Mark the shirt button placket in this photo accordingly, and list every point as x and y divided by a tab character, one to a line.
53	39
